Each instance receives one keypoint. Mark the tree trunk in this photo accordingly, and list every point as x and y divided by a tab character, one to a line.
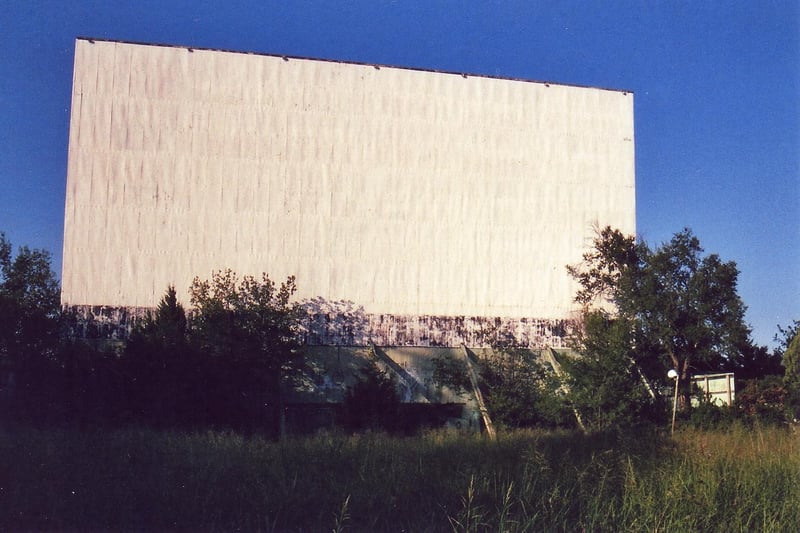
686	387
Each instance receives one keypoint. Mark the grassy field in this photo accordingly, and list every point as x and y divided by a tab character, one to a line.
737	480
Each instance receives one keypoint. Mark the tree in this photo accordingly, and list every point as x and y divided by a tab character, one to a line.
604	383
29	305
168	325
250	328
682	306
29	322
756	362
790	352
159	367
519	390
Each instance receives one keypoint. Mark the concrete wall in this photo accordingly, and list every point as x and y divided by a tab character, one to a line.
407	192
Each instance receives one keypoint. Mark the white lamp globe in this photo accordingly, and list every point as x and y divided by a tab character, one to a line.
672	374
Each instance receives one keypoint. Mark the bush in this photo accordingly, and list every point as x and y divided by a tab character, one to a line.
605	385
708	416
764	400
520	392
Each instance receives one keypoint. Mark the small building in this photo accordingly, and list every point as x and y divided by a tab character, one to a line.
717	389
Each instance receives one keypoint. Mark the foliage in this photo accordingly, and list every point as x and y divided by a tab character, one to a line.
708	416
790	353
682	306
222	371
785	336
30	383
609	268
735	480
452	373
755	362
519	391
161	370
604	383
372	402
168	326
29	306
249	330
251	320
763	401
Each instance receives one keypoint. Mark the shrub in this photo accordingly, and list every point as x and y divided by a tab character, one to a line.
708	416
521	392
764	400
605	385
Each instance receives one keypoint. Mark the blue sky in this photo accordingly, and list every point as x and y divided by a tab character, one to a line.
717	99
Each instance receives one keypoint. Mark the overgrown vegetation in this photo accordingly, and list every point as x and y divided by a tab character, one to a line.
679	307
249	331
789	351
645	310
605	385
130	438
29	330
734	480
221	369
520	391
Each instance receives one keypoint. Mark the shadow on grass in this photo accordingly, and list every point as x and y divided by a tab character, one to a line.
138	479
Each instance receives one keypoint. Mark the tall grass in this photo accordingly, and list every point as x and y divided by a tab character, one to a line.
737	480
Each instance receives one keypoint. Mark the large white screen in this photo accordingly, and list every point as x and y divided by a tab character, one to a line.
408	192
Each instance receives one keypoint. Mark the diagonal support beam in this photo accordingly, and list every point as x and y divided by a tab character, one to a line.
473	378
550	356
410	382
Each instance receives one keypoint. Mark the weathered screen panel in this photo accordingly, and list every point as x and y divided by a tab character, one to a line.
408	192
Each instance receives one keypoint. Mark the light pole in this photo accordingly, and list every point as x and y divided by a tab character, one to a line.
673	374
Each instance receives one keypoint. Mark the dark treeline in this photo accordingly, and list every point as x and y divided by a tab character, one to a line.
222	369
162	378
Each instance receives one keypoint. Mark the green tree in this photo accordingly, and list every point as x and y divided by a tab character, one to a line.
160	368
520	391
604	384
29	305
790	360
767	400
29	340
451	372
785	336
250	329
790	352
682	306
168	325
756	362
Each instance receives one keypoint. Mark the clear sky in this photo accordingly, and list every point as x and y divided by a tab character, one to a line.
716	84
